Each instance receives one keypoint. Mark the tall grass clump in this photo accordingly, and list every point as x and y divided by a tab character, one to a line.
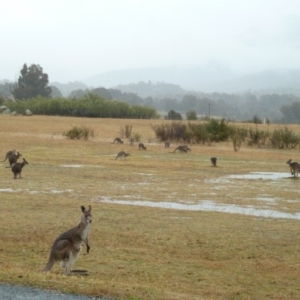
126	131
79	132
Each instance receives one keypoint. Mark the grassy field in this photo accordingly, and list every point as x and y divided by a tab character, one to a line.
165	225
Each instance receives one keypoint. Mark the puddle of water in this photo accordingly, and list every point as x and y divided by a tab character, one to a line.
71	166
144	174
211	206
60	191
260	175
266	199
7	190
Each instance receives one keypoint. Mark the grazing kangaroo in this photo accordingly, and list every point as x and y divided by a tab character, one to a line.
13	158
118	140
213	161
142	147
294	167
167	144
9	153
17	168
122	155
182	148
67	246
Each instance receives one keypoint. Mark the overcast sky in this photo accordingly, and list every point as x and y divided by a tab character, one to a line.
76	39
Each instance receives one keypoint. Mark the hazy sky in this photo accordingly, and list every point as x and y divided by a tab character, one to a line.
76	39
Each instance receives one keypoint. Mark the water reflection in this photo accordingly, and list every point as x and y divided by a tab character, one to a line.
260	175
211	206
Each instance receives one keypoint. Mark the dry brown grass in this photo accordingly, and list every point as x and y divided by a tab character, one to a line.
142	252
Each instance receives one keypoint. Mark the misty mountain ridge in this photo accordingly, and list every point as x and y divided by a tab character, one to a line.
209	78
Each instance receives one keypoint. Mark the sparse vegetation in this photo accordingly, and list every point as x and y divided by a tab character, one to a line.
126	131
137	136
142	252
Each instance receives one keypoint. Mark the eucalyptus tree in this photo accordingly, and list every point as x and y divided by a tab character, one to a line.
32	82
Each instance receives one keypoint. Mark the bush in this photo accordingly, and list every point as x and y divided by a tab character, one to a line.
238	135
79	132
174	131
173	115
90	105
137	137
191	115
257	137
284	138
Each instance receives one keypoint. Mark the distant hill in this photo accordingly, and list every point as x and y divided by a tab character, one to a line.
67	88
209	78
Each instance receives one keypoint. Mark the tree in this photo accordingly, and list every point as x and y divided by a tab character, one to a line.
173	115
31	83
55	92
191	115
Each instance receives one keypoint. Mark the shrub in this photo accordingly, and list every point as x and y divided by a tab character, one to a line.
79	132
174	131
191	115
257	137
284	138
173	115
137	136
237	135
218	130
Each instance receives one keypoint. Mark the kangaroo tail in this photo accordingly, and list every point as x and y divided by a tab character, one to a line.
49	265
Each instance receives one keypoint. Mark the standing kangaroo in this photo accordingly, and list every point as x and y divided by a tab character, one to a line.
67	246
294	167
142	146
117	140
9	153
17	168
13	158
122	155
213	161
182	148
167	144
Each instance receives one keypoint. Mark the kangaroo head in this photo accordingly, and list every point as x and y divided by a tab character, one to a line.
289	161
86	215
25	161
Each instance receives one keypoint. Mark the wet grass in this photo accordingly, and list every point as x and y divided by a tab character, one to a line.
147	252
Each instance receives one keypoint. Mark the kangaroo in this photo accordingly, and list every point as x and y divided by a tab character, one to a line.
67	246
9	153
131	141
142	147
182	148
167	144
118	140
13	158
122	155
17	168
213	161
294	167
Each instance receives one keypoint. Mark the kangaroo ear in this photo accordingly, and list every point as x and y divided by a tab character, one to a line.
90	208
82	208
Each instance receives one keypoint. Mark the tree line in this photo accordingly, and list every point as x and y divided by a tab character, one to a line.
170	99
